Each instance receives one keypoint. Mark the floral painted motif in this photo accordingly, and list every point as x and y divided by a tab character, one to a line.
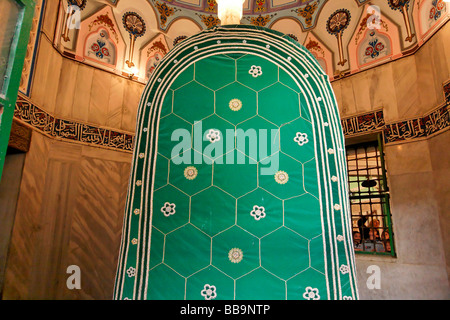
209	21
366	21
398	4
344	269
211	6
402	6
260	5
258	213
311	294
307	13
281	177
301	138
164	12
106	21
255	71
235	104
168	209
293	36
178	39
213	135
209	292
134	24
313	46
190	173
131	272
260	20
152	63
336	24
338	21
375	48
436	9
99	47
235	255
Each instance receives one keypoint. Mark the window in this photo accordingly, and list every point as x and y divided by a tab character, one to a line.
369	199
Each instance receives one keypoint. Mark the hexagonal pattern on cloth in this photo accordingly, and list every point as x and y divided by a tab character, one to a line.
231	195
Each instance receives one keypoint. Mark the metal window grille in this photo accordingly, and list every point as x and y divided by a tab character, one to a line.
369	199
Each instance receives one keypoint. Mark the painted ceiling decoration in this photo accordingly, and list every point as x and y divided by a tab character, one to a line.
402	6
336	25
257	12
135	26
345	36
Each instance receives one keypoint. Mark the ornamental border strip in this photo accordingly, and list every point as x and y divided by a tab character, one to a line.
433	122
421	127
29	114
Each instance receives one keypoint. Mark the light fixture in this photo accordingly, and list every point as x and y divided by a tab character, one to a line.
134	71
230	11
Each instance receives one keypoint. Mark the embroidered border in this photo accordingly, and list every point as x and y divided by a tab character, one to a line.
28	113
406	130
368	122
431	123
421	127
447	92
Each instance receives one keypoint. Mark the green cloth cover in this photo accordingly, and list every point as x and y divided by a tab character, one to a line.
253	204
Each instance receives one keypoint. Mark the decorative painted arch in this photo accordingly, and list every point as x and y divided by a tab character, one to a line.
171	25
153	53
362	48
320	51
181	27
430	15
99	47
228	230
101	21
288	25
375	46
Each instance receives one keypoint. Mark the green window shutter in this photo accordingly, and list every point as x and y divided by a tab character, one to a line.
16	17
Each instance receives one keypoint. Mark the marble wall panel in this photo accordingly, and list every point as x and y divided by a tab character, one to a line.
401	281
69	212
18	274
440	153
408	158
98	106
82	95
65	97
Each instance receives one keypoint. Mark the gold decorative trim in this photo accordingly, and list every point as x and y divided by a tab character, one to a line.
31	115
